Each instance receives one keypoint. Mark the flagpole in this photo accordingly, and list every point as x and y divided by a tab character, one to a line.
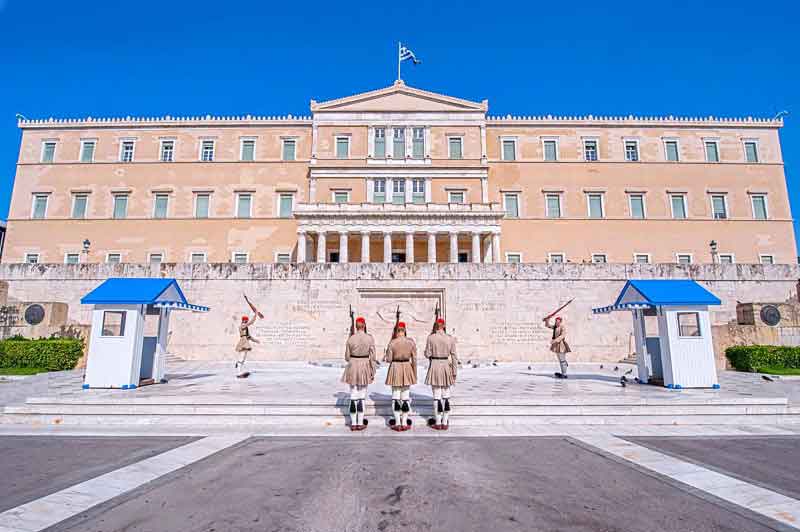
398	60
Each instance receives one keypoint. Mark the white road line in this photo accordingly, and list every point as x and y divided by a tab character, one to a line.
757	499
47	511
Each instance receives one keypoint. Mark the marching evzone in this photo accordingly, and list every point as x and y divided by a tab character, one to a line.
559	345
401	354
244	346
440	350
359	353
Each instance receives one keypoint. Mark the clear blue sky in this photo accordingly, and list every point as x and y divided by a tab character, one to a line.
108	58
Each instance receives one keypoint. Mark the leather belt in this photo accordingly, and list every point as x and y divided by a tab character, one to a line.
439	358
406	360
354	356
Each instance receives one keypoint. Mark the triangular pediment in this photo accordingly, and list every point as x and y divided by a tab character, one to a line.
399	98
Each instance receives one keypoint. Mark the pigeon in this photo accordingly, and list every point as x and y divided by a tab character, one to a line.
494	363
767	378
616	368
601	366
623	381
529	368
629	371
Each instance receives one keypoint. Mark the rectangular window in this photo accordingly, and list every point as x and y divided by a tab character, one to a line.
120	206
513	258
689	324
456	145
126	151
678	206
719	207
197	258
39	210
555	258
113	258
79	204
455	197
286	205
72	258
243	204
289	151
380	143
379	191
201	205
641	258
207	151
463	257
671	150
766	259
595	205
511	204
398	191
418	191
113	323
509	147
167	152
342	147
589	150
553	205
48	151
599	258
87	151
341	196
550	150
418	143
631	150
160	206
637	205
712	151
155	258
399	144
249	150
684	258
751	151
726	258
759	206
239	258
31	258
284	258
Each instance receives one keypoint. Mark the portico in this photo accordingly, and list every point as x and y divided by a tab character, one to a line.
407	233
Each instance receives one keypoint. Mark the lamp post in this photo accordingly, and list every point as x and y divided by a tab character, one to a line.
713	246
86	245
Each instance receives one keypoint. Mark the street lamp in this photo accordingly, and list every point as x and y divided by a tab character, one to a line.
86	244
713	246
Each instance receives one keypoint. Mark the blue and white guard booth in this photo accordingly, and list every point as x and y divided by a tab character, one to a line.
130	331
682	354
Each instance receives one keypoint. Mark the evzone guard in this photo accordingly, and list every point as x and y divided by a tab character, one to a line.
440	350
244	345
558	342
401	354
360	370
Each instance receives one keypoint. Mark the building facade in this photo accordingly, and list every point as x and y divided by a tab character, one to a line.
400	175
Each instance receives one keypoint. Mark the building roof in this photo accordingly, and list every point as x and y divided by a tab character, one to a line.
651	293
140	291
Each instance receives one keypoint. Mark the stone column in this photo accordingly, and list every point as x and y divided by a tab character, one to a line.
321	247
301	246
487	250
364	246
476	247
409	247
496	247
453	247
432	248
343	247
387	247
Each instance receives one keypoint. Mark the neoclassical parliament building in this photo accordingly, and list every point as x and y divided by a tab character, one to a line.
400	175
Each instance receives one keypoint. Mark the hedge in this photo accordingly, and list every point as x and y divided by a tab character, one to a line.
753	357
50	354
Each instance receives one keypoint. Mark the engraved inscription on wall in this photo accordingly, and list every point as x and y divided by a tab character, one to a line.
292	334
520	333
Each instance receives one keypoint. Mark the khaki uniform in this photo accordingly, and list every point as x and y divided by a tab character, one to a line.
441	351
244	336
359	353
401	354
559	345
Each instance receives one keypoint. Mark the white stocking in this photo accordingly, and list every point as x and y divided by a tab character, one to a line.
437	396
446	413
405	397
352	406
396	395
362	395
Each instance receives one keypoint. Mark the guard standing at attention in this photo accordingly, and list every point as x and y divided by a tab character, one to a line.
360	371
401	354
440	350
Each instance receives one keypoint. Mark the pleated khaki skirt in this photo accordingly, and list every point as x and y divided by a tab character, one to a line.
359	372
401	374
440	373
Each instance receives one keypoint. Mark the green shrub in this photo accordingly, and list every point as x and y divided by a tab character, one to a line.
753	357
51	354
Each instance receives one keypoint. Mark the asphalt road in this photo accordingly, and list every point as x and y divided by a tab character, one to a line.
34	466
772	462
410	484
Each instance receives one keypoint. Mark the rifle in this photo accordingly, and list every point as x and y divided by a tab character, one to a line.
396	322
436	313
253	307
352	321
559	309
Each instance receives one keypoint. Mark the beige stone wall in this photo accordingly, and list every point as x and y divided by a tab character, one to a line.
495	311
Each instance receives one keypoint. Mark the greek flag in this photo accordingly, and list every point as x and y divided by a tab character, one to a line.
406	53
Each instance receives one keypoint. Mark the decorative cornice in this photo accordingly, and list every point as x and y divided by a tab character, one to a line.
631	120
164	121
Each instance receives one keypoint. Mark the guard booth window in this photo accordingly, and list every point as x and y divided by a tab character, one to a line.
689	324
113	323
